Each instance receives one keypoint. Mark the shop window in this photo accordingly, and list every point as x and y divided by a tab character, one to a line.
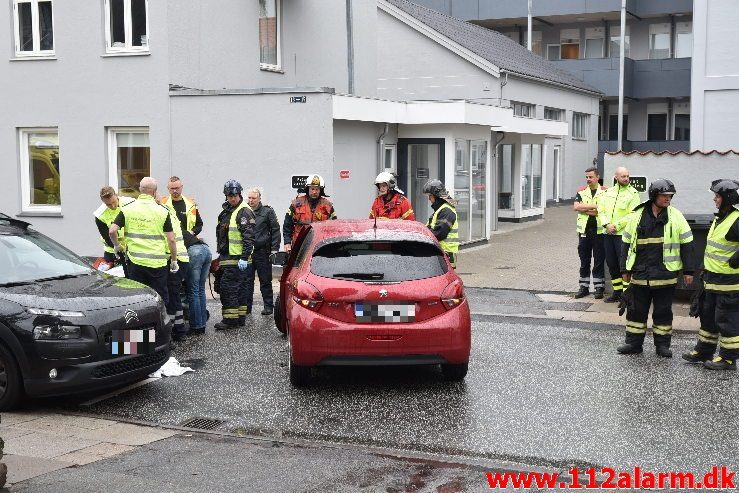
40	173
506	157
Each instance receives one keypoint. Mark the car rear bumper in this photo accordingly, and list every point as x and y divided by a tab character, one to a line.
320	341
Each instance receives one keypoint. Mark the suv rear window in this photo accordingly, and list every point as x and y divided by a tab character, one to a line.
389	261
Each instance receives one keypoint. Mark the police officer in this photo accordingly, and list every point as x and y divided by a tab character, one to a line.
657	244
390	202
150	238
266	240
443	221
235	244
720	311
307	208
104	217
613	208
590	235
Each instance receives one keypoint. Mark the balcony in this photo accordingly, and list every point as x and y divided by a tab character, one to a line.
601	73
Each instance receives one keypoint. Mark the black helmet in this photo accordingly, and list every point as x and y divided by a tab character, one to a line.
727	189
232	187
661	186
435	188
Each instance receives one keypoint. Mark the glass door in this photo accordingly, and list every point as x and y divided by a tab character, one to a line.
424	163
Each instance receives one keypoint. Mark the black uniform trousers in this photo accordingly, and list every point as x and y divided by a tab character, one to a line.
262	267
613	245
591	246
636	316
719	325
174	300
233	295
155	278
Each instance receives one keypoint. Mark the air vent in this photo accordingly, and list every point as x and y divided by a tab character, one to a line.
202	423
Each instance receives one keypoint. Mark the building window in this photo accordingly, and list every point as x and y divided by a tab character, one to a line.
269	34
531	173
594	41
615	46
535	41
659	41
613	127
40	179
506	156
553	52
682	127
34	28
684	40
523	109
579	126
389	159
553	114
126	25
657	126
569	42
129	158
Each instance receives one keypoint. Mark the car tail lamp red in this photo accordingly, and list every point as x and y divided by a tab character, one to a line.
453	295
307	296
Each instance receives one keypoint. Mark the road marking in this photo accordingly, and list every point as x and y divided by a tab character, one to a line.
118	391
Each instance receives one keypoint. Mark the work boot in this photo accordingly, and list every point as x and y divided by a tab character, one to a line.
222	325
598	294
629	349
696	357
267	310
582	293
719	363
614	298
663	351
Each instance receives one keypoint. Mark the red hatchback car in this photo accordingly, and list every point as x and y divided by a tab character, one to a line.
357	293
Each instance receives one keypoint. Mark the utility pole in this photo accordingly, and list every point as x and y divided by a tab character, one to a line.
621	76
528	37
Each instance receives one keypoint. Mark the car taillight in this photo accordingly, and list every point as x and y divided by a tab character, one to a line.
453	295
308	296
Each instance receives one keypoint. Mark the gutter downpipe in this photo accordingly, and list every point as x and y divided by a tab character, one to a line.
621	77
350	45
381	149
528	39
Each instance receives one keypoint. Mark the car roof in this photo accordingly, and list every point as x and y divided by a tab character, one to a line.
9	225
368	229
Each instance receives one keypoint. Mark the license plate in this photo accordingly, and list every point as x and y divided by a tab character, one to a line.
133	341
385	312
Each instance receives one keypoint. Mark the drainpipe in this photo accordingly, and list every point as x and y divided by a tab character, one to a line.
672	36
494	185
381	149
350	45
529	29
621	77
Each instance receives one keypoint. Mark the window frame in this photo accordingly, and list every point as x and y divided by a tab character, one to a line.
615	39
663	29
683	28
127	28
579	122
25	171
559	53
519	104
37	52
559	111
594	34
392	167
111	133
278	49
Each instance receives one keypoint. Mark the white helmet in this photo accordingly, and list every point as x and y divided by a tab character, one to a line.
386	177
314	180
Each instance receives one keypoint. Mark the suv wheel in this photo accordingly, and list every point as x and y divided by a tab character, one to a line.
299	374
10	382
454	373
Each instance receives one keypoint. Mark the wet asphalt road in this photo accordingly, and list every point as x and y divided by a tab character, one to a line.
539	392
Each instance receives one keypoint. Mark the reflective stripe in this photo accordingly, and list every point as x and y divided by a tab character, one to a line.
638	282
228	263
148	255
716	256
669	246
408	213
662	330
672	258
144	236
662	282
630	323
721	246
626	235
686	235
635	330
234	242
729	342
452	240
707	334
722	287
645	241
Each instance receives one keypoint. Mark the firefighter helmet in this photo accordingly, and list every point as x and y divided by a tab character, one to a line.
660	186
232	187
727	189
386	177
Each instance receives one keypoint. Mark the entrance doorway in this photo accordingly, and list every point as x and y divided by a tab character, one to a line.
420	160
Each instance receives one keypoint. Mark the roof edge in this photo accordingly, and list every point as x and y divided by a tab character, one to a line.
541	80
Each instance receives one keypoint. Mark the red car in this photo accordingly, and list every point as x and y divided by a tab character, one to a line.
353	292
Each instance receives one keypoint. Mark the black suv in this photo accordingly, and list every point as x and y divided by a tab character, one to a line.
63	324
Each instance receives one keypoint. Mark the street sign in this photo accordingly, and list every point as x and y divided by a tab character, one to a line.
638	182
344	174
298	181
298	99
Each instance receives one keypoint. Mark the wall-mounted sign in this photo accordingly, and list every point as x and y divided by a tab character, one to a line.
344	174
422	173
298	99
298	181
638	182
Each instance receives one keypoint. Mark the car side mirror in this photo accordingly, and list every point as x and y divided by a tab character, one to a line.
278	258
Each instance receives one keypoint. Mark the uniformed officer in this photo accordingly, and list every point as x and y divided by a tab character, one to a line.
306	208
104	217
443	221
235	244
657	244
719	314
590	235
390	203
150	238
614	206
266	240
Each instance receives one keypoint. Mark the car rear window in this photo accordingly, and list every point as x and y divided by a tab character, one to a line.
388	261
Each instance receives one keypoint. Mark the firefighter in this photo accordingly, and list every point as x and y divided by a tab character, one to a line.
590	235
104	217
719	313
312	206
657	244
235	244
391	203
443	221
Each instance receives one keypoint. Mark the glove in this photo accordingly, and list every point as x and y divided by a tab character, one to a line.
734	261
696	301
243	265
119	248
627	302
174	267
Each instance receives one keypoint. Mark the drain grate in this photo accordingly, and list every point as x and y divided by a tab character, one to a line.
202	423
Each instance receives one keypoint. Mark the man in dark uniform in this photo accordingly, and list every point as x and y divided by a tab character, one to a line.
266	240
590	235
657	244
443	221
235	244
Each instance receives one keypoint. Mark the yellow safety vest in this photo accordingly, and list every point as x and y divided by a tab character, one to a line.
145	239
235	245
191	209
676	232
615	205
719	251
451	242
107	216
586	197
